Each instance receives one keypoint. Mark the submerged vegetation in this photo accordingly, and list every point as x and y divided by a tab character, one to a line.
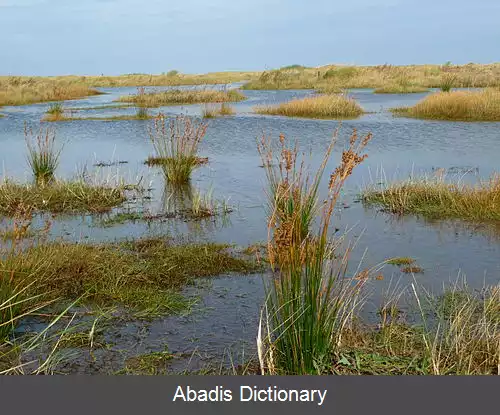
176	144
457	106
336	106
182	96
437	198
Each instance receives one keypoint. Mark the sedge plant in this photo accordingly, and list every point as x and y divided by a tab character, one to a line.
310	301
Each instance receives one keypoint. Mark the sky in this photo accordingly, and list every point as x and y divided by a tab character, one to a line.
111	37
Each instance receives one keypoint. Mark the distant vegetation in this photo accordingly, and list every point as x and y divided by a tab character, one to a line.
179	96
402	79
17	90
337	106
456	106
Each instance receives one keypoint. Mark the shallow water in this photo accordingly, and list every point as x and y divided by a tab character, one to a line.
400	147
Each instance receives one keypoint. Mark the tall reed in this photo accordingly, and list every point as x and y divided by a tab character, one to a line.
43	154
311	301
176	143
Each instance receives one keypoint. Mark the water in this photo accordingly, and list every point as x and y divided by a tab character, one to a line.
400	147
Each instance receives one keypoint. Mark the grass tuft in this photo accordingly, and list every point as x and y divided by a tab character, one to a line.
322	106
43	154
176	145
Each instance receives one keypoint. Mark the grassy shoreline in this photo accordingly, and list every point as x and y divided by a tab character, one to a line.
456	106
438	199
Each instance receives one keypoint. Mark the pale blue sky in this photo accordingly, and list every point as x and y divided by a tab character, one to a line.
53	37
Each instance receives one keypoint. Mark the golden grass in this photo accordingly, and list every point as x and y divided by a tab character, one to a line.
178	96
160	79
212	111
457	106
337	106
29	90
332	77
438	199
400	89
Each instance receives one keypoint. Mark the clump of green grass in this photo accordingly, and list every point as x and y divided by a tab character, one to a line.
55	112
322	106
310	303
143	275
438	199
456	106
401	261
43	154
213	111
176	145
121	218
183	96
59	197
204	205
148	364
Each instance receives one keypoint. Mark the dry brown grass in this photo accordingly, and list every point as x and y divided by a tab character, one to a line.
212	111
332	77
337	106
457	106
178	96
28	90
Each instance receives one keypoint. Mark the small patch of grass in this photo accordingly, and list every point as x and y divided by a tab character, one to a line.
400	89
148	364
438	199
43	154
111	118
100	107
214	111
322	106
82	339
59	197
456	106
412	270
143	275
401	261
180	96
164	161
176	143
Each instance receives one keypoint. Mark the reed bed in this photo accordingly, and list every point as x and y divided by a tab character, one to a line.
436	198
456	106
17	90
322	106
178	97
310	302
176	144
